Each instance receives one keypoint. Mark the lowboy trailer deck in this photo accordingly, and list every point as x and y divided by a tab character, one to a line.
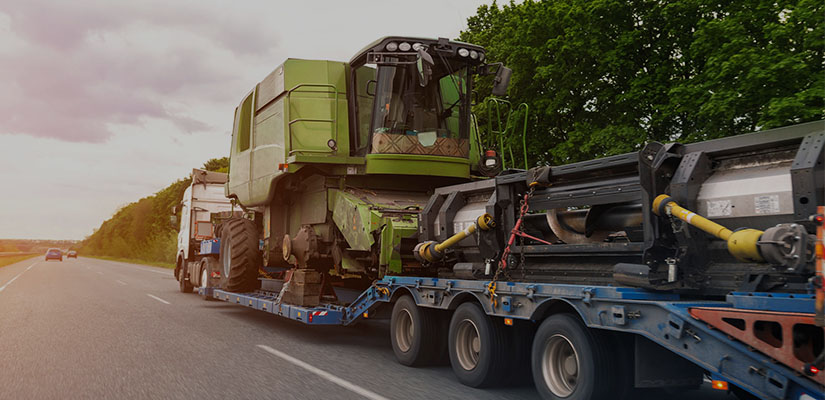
688	334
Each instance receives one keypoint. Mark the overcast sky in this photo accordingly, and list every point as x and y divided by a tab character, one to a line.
105	102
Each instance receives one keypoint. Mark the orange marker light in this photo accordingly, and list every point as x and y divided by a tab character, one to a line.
366	315
508	321
720	385
282	167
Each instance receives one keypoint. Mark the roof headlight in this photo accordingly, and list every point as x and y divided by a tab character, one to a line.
404	46
463	52
392	46
480	56
473	54
417	46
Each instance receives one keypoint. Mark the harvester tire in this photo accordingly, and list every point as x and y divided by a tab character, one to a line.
478	347
416	333
240	257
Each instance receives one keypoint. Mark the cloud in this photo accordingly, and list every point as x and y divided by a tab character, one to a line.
103	102
72	68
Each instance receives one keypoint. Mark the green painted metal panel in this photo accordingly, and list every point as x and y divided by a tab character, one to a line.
298	109
360	219
408	164
354	219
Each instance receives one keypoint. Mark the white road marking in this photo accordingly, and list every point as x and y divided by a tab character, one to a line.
324	374
158	299
16	276
120	282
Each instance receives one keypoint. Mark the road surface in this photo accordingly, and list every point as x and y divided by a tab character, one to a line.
87	328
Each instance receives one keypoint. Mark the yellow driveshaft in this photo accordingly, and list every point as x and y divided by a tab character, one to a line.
742	243
432	251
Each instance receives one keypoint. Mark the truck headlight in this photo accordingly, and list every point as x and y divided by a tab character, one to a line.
463	52
392	46
473	54
404	46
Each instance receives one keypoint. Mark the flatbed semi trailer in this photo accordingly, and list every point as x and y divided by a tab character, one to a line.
666	329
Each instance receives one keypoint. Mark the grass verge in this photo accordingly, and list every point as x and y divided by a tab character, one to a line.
14	259
134	261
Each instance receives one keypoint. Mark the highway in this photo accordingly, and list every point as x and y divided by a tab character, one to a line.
88	328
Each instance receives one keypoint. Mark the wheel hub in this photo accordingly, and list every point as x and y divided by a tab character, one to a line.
560	366
468	344
404	331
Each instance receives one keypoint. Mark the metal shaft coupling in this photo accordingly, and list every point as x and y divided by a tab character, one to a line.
785	245
431	251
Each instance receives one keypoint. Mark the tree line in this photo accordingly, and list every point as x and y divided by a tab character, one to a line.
603	77
142	230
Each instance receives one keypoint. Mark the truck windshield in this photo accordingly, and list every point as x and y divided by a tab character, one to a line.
414	119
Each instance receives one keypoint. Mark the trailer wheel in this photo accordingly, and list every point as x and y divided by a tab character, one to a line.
416	333
240	256
477	346
207	266
570	361
184	284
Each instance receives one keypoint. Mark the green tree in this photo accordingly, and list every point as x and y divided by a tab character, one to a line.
604	77
217	164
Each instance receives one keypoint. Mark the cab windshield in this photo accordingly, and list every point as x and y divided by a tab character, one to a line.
405	107
414	119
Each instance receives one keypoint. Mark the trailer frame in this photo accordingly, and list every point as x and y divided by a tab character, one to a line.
663	318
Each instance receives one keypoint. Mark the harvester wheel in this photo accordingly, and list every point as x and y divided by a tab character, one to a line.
478	347
571	362
184	284
416	333
240	257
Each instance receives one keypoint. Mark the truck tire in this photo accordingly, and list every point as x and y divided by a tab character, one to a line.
571	362
184	284
240	257
208	265
478	347
416	333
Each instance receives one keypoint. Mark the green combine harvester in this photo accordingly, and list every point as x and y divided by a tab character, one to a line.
336	160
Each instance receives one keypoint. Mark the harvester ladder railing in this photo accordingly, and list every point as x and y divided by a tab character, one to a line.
503	134
333	121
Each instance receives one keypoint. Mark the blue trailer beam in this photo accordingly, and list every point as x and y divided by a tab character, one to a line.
664	318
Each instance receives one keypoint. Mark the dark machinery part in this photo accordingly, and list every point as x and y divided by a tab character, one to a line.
593	222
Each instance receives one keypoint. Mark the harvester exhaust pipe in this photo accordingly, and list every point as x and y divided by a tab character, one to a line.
787	245
431	251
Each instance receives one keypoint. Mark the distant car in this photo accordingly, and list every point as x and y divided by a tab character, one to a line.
71	254
55	254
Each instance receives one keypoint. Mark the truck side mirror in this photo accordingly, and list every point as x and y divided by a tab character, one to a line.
502	81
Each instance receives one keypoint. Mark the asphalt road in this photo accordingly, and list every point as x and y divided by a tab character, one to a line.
87	328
